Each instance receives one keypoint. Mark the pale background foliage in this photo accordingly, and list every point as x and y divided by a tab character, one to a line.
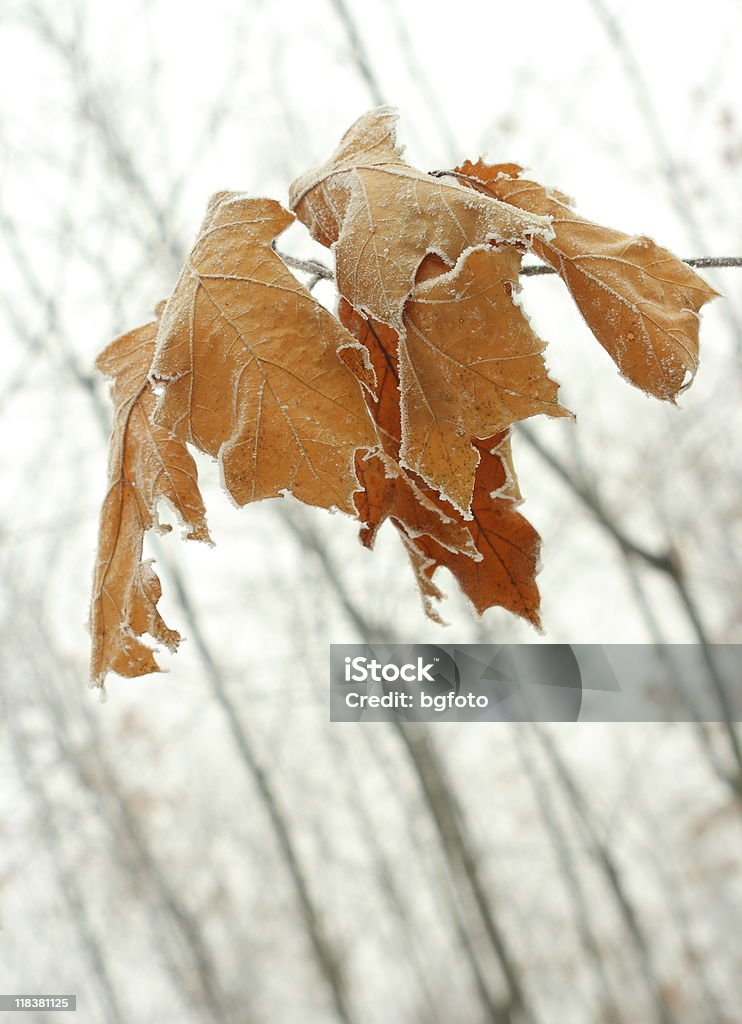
206	846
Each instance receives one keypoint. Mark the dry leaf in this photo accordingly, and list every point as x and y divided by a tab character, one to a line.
423	568
639	300
493	555
508	545
146	464
251	369
389	491
470	366
383	217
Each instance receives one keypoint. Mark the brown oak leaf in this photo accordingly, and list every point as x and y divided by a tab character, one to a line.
383	217
470	366
505	574
639	300
146	464
494	554
250	366
423	568
388	490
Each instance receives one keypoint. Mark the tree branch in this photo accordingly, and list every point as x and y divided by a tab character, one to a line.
321	272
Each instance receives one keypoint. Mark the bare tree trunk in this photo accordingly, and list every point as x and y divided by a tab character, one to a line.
66	877
322	947
200	980
387	881
668	564
442	805
606	862
464	865
571	876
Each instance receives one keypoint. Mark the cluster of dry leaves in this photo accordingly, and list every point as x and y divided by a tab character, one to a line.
400	407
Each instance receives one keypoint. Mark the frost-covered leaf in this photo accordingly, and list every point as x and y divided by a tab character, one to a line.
639	300
494	554
389	491
383	217
505	573
146	464
470	366
250	366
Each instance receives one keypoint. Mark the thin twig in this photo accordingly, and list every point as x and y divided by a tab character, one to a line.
539	268
536	270
312	267
320	272
359	52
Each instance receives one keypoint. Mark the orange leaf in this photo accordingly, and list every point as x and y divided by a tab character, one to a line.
470	366
389	491
146	464
251	369
383	217
507	543
639	300
424	568
494	555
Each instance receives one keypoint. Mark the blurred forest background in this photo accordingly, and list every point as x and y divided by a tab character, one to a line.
206	846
